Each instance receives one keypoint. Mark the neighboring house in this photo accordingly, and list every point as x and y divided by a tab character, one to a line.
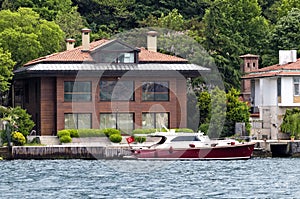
105	84
273	90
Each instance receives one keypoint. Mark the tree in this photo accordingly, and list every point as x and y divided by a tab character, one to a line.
47	9
204	104
18	121
6	67
285	36
291	122
114	14
218	113
233	28
70	22
174	21
237	112
26	36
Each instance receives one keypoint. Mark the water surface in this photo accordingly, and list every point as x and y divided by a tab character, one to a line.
254	178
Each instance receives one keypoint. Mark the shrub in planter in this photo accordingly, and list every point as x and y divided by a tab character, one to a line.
91	133
110	131
144	131
140	139
64	132
74	133
184	130
18	138
65	139
115	138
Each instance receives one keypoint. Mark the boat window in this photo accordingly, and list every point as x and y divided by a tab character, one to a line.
185	138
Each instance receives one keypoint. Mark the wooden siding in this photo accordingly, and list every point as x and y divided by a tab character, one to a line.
47	106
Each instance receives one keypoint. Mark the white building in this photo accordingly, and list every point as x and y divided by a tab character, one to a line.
273	90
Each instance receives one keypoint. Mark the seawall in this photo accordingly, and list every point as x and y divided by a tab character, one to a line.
69	152
267	148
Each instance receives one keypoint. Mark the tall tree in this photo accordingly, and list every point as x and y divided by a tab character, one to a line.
233	28
6	66
47	9
71	22
114	14
26	36
280	8
285	36
237	112
217	113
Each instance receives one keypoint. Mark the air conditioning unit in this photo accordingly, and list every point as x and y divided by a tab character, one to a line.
287	56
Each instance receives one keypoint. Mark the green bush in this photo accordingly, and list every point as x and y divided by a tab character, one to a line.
110	131
65	139
148	131
23	120
62	133
204	128
184	130
74	133
3	136
91	133
115	138
140	139
18	138
143	131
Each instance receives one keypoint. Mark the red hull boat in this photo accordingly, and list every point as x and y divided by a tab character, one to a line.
193	146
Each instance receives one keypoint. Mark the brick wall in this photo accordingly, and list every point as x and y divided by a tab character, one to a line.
176	107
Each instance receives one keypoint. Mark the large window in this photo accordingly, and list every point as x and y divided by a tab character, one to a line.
155	91
155	120
121	121
296	86
77	91
78	120
116	90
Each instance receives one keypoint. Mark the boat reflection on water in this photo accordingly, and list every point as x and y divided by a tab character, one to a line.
171	145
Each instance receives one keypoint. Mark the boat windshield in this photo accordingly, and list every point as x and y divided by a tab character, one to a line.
185	138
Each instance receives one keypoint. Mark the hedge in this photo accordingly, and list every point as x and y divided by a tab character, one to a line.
75	133
140	139
65	132
110	131
147	131
91	133
65	139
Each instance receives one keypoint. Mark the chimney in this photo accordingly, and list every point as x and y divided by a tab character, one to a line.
70	43
287	56
86	39
152	41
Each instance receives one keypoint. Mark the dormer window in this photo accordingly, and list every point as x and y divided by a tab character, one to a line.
113	57
116	52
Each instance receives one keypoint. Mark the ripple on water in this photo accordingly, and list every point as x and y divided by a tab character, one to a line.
254	178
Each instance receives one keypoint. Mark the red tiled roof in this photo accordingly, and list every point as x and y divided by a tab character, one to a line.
150	56
77	55
288	69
